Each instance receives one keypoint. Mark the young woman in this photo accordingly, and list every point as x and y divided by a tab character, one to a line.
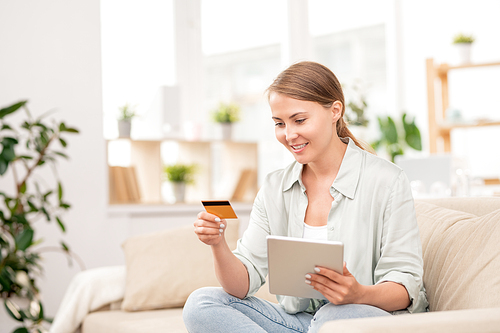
334	190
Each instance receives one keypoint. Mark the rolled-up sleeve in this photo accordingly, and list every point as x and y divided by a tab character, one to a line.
251	249
401	250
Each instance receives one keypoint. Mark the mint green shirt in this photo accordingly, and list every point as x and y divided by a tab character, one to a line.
372	214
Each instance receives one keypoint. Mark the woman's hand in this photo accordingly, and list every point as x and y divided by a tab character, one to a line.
337	288
209	228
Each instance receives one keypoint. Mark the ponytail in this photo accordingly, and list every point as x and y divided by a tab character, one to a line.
344	132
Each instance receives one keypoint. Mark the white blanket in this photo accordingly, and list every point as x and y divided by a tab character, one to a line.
88	291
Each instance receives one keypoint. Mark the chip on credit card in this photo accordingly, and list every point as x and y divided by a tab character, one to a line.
221	208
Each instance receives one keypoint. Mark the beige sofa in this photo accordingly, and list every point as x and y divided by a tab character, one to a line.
461	250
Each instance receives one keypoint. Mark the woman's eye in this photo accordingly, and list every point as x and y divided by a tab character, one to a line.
300	121
278	124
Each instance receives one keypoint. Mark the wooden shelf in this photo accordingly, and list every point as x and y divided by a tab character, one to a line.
219	167
437	81
444	68
447	127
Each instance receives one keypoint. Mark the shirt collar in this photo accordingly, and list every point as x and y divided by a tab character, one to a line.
347	179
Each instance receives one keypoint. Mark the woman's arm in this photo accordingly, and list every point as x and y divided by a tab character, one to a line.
388	295
344	289
230	271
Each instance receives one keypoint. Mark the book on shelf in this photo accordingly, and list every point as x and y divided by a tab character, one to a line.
123	186
246	185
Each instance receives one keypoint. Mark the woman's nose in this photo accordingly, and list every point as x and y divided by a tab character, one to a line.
290	133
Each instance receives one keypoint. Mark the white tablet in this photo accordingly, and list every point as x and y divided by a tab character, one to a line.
290	259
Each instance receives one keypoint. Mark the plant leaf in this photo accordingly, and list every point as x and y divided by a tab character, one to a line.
412	134
44	211
72	130
12	108
64	205
61	154
13	310
63	228
59	190
21	330
65	247
24	239
63	142
40	314
3	165
23	188
391	131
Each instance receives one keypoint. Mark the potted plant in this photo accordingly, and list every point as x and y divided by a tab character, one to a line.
226	114
396	141
179	175
127	113
463	44
24	150
355	115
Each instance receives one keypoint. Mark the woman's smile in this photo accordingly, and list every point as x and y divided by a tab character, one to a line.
299	148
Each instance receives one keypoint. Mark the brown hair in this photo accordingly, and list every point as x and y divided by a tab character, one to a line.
313	82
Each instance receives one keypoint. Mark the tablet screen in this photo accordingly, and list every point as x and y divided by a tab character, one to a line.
290	259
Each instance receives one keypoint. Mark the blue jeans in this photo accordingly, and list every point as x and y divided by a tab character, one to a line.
213	310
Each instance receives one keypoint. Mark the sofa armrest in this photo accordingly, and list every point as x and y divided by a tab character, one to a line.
458	321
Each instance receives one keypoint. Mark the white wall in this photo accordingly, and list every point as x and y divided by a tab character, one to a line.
50	55
428	27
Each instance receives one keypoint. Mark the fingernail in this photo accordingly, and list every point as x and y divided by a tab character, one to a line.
221	230
316	269
222	225
308	282
217	219
308	276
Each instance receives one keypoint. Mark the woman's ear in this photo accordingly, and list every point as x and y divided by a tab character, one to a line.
336	109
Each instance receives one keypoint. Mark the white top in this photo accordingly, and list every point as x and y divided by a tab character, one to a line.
372	214
314	232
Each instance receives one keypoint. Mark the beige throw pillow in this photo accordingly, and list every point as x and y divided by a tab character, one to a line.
163	268
461	254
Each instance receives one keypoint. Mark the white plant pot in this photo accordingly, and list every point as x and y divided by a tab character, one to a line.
179	191
463	52
227	131
124	127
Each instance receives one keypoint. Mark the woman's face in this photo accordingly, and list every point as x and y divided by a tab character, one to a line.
306	129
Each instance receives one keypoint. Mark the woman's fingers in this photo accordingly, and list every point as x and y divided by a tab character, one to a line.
209	227
337	288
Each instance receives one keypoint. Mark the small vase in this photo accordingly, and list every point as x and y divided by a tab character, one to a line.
179	191
463	52
124	127
227	131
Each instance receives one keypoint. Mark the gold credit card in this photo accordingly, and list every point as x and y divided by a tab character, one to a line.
220	208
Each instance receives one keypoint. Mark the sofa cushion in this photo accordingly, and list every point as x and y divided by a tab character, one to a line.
158	321
163	268
461	253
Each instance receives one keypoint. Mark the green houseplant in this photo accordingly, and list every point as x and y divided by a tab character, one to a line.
126	114
395	138
461	38
24	150
226	114
179	175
